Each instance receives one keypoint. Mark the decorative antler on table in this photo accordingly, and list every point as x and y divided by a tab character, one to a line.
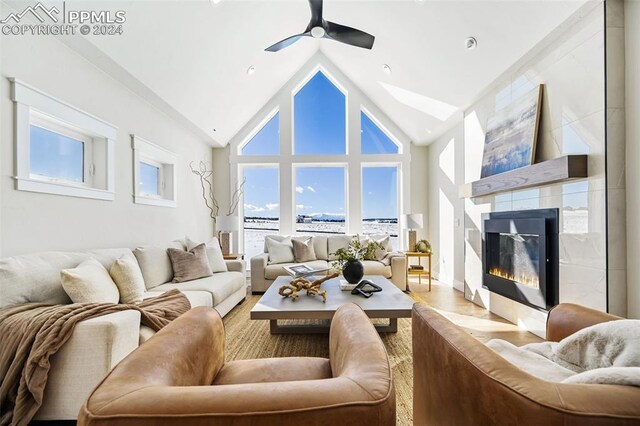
313	288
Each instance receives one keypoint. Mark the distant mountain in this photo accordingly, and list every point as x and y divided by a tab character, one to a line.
327	217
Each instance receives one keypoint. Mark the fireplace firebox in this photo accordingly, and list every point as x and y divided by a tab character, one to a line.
520	256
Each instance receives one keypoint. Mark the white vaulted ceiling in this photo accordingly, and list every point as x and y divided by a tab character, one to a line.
193	55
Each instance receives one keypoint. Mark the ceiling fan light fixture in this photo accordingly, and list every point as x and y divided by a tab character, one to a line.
386	68
317	32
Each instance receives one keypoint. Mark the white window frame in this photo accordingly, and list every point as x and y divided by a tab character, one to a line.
166	161
34	107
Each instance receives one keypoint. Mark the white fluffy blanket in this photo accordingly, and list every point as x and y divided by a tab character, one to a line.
607	353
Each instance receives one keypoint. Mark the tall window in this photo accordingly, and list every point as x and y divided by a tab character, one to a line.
319	118
320	200
313	183
266	141
380	201
261	207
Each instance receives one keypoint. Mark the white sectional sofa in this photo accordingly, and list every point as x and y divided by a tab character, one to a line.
98	344
264	272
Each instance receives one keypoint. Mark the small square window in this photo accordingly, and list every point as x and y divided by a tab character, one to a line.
150	182
60	149
55	156
154	176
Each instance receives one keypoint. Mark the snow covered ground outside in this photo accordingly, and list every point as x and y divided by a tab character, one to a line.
257	229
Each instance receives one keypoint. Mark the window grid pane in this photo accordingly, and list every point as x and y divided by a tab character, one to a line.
320	200
373	139
55	156
380	202
261	207
319	118
149	179
266	141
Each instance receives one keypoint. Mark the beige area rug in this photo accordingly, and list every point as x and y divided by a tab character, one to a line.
248	339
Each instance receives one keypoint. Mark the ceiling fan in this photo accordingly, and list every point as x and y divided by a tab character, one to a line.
319	28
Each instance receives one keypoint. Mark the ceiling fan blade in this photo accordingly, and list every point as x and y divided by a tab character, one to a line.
286	42
348	35
316	13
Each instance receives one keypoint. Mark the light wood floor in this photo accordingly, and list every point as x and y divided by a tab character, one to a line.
479	322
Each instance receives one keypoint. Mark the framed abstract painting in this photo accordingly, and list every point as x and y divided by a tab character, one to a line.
510	139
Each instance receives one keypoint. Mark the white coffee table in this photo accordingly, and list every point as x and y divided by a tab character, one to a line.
390	303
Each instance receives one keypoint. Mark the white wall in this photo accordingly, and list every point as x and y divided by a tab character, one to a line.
446	208
632	70
32	222
570	63
419	189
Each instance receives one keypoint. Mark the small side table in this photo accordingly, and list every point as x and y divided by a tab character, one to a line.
233	256
419	272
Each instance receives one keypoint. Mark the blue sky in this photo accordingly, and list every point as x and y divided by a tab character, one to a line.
319	128
320	190
319	118
54	155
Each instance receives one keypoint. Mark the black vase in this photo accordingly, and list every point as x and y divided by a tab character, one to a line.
353	271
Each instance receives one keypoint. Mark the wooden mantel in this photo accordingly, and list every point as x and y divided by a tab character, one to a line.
560	169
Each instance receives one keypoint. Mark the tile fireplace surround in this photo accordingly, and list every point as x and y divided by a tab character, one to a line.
575	120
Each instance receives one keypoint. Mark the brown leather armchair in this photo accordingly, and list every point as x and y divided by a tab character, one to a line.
459	381
179	377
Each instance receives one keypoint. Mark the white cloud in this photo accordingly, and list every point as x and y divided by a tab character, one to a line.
311	188
253	208
272	206
302	206
299	189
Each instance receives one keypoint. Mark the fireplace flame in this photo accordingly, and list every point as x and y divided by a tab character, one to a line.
523	279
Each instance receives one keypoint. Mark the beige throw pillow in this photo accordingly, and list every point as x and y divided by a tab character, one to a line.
214	254
303	250
127	275
280	251
382	249
189	265
89	282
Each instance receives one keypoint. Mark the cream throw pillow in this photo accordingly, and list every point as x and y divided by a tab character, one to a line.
214	254
127	275
89	282
280	251
303	250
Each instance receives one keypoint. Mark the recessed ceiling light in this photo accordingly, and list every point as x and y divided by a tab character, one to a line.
470	43
420	2
251	70
214	2
386	68
428	131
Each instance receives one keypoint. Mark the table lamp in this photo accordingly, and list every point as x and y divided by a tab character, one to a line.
225	225
412	222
